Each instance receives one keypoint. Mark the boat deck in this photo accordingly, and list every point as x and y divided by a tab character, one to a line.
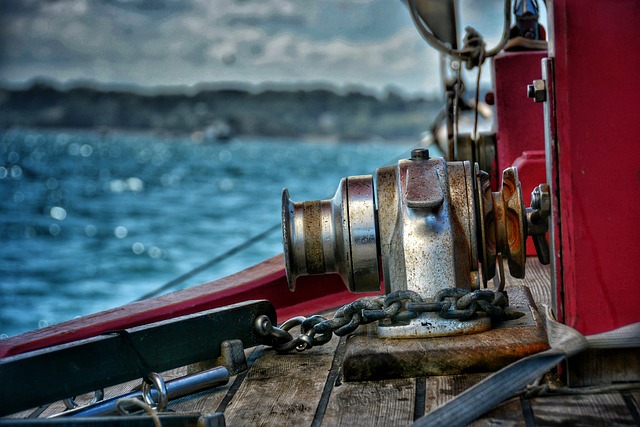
308	389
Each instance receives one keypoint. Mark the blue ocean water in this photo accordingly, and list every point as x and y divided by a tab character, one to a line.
90	221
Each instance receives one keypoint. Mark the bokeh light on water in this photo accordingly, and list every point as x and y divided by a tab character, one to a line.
95	220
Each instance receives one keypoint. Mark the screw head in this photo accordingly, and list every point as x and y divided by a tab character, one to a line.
420	153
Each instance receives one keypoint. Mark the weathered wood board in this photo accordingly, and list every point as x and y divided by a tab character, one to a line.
389	403
441	389
582	410
370	358
282	389
510	413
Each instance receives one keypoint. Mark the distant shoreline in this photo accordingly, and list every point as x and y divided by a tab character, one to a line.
221	114
164	135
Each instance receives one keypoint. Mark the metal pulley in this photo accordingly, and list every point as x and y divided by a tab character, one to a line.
502	231
429	224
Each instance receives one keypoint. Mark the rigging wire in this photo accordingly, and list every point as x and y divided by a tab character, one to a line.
451	156
242	246
474	140
236	249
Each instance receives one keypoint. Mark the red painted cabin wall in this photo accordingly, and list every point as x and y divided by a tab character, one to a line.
597	95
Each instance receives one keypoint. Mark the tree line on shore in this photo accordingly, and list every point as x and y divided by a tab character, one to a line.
282	112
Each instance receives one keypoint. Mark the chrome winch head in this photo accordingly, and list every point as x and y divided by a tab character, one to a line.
425	223
334	236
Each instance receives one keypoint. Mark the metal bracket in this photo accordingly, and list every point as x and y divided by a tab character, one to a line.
79	367
551	154
232	355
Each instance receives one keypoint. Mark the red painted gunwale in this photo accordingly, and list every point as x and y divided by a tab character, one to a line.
266	280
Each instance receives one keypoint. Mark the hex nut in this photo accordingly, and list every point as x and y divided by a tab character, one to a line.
537	91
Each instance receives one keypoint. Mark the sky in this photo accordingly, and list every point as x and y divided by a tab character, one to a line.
370	43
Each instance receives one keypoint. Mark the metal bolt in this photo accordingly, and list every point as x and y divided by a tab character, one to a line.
537	91
420	153
542	199
535	198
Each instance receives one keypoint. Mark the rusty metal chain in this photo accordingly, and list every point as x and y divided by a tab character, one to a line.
454	303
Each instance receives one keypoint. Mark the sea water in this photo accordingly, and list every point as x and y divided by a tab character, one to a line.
94	220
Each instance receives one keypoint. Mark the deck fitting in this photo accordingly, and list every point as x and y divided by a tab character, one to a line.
369	357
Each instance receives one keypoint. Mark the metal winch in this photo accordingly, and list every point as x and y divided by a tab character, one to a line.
426	224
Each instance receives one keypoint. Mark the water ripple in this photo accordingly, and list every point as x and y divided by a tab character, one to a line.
91	220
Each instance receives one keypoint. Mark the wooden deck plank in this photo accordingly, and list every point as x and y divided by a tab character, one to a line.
282	390
117	390
537	278
205	402
632	399
604	366
380	403
582	410
441	389
507	414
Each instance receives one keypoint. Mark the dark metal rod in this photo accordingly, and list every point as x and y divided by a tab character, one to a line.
176	388
166	420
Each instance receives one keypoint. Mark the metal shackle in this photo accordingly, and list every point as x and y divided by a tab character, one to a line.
338	235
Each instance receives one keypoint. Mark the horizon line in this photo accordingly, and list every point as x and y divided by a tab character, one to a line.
193	89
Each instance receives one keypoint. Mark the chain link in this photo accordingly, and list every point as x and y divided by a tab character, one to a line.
454	303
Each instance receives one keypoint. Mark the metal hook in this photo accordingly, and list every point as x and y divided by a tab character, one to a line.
153	379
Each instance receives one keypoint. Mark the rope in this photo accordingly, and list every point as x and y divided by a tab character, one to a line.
470	52
122	404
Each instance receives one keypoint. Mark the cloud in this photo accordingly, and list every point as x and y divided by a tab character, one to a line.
172	42
401	53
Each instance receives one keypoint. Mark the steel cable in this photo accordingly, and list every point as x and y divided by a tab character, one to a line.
186	276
